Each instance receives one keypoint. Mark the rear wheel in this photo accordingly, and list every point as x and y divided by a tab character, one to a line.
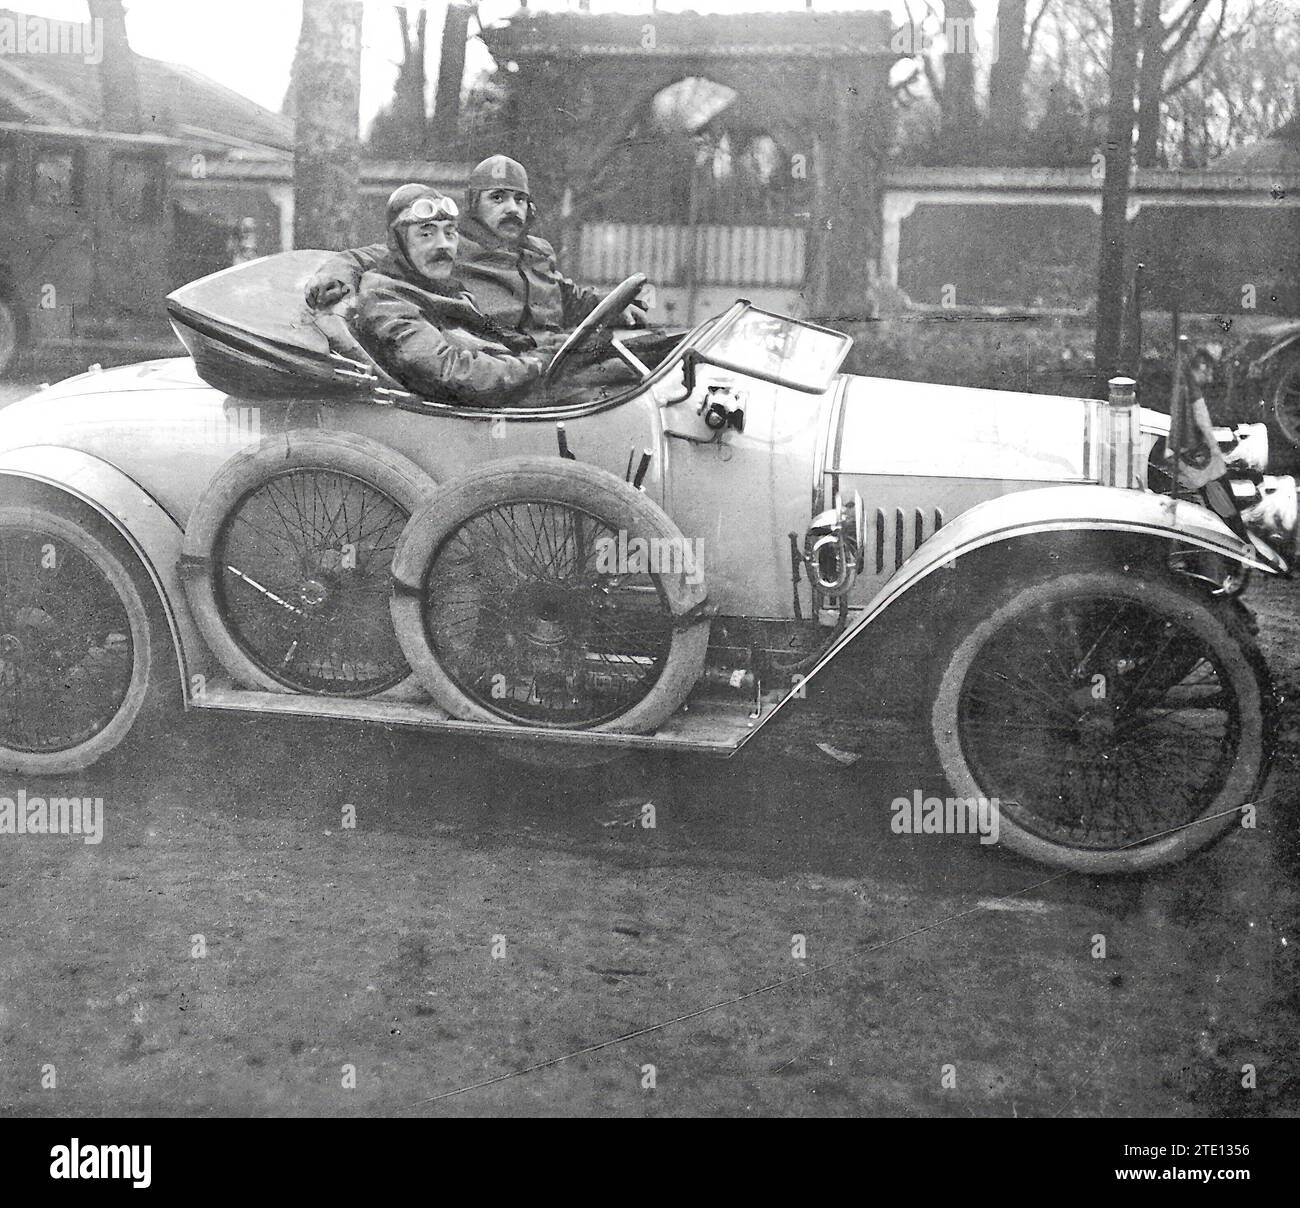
515	605
288	555
77	644
1118	722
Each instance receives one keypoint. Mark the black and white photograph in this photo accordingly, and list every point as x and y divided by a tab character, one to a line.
635	558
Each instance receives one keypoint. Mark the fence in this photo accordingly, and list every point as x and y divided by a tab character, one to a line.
695	270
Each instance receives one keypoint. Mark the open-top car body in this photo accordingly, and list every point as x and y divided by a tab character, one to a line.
276	525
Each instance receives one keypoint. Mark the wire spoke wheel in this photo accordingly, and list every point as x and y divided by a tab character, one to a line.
1117	723
1286	401
75	654
521	600
287	560
302	581
1071	725
528	625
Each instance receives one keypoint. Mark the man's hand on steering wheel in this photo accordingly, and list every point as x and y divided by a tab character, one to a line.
634	315
608	313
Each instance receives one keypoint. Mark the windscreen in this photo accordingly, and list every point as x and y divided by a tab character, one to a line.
777	349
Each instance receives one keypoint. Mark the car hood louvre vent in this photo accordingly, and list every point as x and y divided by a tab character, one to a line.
900	531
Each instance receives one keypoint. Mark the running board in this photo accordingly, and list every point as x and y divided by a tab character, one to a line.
707	727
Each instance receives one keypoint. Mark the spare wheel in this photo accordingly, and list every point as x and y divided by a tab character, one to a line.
549	593
288	556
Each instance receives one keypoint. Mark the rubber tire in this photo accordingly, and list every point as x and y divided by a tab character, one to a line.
560	481
148	643
302	448
11	337
1223	625
1288	380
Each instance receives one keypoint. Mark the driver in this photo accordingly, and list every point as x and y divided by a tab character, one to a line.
513	275
417	320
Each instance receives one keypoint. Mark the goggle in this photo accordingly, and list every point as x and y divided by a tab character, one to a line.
426	209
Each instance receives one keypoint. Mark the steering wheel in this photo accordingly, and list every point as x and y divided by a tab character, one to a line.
607	310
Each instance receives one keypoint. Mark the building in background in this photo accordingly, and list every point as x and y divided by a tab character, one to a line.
95	231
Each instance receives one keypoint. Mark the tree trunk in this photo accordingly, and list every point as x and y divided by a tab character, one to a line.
1151	80
960	118
1114	192
855	143
451	73
118	86
410	126
327	160
1006	120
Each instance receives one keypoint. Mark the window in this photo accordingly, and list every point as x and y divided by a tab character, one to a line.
135	188
56	180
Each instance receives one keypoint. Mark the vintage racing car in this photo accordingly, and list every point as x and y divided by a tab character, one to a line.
274	525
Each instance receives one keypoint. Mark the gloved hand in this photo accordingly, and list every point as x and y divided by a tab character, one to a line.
537	358
634	315
325	289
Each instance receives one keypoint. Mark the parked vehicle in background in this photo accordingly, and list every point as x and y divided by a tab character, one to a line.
1264	371
88	234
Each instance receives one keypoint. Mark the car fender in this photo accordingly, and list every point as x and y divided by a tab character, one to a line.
1074	509
154	536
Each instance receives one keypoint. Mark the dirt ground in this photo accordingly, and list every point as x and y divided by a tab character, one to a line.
479	920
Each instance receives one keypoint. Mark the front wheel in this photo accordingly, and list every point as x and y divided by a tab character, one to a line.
1060	706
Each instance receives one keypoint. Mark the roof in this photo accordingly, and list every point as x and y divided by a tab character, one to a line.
63	90
695	35
375	173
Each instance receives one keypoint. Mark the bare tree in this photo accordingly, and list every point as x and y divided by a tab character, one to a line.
1006	112
1178	41
410	123
1250	88
451	74
119	88
326	161
1163	44
1115	190
400	130
948	116
961	118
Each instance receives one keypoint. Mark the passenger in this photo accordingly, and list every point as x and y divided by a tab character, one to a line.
417	321
512	275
